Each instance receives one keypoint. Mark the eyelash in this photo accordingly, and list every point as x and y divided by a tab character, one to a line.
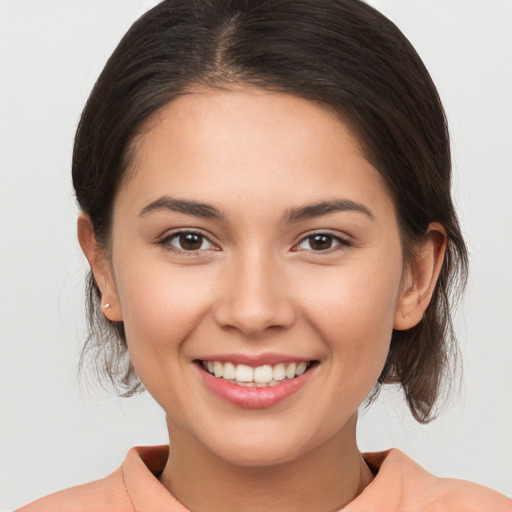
166	242
341	243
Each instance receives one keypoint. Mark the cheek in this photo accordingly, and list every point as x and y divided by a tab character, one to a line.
355	308
355	319
160	308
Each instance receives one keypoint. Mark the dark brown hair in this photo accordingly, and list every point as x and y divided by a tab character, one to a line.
342	53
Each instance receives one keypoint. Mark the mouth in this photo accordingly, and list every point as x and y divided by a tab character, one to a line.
255	387
256	376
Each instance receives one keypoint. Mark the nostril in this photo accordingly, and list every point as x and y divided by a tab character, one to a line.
253	319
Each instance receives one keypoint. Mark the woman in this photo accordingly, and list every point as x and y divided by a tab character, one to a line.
266	210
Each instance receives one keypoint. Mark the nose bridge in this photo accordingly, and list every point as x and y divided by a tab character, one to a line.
255	294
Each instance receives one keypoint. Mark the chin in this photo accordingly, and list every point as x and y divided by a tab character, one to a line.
266	447
258	456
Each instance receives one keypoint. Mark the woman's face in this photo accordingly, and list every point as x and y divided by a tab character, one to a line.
252	234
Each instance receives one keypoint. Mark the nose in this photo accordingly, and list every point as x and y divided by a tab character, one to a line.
254	296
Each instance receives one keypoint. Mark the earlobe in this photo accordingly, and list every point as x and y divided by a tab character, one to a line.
421	279
101	268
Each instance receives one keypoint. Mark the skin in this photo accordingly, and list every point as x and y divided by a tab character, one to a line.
256	285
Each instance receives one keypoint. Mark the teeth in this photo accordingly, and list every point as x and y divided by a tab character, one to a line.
218	369
301	369
263	374
290	371
229	371
279	372
243	373
260	376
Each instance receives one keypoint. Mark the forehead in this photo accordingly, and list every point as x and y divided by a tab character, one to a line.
252	144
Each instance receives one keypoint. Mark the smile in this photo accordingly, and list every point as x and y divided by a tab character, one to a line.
255	387
259	376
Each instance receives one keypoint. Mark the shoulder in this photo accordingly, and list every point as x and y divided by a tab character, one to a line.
401	485
133	487
452	494
108	494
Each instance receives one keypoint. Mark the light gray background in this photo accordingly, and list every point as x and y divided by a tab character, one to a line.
54	434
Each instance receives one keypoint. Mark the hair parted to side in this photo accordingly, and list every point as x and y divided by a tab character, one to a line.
342	53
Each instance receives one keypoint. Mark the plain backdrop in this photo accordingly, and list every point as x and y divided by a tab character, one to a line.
54	432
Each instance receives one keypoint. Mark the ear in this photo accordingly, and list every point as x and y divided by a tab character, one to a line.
101	268
421	278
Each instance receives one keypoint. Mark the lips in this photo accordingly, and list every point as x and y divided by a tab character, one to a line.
254	386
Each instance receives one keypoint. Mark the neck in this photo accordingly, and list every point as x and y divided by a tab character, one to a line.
325	479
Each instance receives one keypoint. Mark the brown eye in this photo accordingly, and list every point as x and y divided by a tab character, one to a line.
188	241
322	242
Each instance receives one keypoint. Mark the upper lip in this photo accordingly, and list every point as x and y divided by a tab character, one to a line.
255	360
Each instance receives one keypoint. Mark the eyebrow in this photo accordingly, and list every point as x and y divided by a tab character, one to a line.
311	211
185	206
293	215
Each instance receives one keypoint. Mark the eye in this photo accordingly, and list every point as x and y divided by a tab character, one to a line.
188	241
321	242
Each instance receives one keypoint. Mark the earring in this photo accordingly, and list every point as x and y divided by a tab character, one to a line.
106	306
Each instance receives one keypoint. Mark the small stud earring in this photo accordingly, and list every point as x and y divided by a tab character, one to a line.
106	306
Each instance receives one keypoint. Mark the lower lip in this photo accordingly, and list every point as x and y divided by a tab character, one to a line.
254	397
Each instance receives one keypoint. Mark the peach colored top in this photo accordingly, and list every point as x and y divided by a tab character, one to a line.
400	486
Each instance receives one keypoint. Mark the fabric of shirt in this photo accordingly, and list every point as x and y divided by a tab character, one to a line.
400	485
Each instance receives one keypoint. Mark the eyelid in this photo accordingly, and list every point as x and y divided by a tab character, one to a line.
165	239
344	241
